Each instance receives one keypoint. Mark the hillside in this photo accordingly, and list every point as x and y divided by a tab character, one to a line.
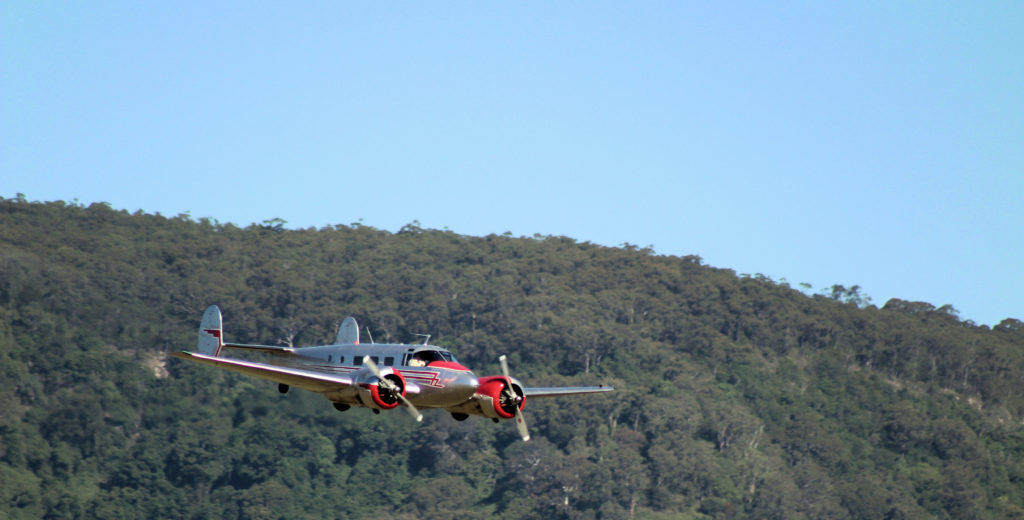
737	397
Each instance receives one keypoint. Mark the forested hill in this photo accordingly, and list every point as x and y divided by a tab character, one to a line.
737	397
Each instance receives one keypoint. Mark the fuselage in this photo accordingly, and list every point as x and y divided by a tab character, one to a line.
376	376
434	378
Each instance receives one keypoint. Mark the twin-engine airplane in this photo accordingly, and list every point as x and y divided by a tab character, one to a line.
379	376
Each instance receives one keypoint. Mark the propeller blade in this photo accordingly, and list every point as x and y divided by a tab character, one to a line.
521	425
504	370
410	408
387	383
520	419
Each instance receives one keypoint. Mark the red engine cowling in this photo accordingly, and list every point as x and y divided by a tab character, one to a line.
373	396
493	387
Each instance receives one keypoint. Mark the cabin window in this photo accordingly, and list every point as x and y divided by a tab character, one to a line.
358	360
341	360
329	359
415	360
375	359
389	361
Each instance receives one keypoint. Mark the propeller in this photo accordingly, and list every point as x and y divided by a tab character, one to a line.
516	400
390	387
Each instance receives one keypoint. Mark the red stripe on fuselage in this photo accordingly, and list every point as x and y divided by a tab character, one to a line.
426	377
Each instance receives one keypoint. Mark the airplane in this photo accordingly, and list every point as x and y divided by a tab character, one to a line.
379	376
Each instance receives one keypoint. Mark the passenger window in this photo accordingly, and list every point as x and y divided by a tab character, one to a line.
329	359
358	360
389	361
375	359
341	360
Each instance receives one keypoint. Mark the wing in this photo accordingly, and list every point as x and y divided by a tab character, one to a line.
565	390
297	377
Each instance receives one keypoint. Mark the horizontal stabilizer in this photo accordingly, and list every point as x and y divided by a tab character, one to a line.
261	348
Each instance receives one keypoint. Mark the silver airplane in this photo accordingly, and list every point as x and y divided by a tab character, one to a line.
379	376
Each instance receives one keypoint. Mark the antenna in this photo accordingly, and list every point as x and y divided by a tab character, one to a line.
426	337
368	334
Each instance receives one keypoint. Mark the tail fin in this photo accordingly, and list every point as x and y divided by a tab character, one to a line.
348	332
211	332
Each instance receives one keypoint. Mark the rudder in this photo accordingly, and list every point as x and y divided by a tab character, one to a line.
348	332
211	332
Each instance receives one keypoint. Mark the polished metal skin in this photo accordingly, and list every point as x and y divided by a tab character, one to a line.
378	376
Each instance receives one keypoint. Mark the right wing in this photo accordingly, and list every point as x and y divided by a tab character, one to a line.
297	377
565	390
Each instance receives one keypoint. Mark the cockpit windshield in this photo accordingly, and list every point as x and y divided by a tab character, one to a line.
424	357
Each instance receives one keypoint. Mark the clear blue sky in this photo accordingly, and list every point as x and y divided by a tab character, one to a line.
878	144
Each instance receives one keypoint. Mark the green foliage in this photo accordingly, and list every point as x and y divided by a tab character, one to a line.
737	397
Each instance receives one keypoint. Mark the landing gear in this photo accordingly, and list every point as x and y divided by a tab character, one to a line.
283	388
460	416
341	407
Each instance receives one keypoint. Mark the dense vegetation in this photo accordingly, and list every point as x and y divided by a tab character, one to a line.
738	397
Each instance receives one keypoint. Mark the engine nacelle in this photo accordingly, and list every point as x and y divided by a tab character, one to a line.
373	394
490	396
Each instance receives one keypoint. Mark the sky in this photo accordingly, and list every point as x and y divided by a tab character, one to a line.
878	144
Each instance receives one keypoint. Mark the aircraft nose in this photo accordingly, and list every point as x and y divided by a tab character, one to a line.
472	382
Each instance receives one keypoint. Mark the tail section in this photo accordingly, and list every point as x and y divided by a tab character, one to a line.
211	332
348	332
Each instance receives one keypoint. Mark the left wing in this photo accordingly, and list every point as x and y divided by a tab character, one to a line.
565	390
297	377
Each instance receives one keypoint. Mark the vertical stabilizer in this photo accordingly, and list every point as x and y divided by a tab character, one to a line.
211	332
348	332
